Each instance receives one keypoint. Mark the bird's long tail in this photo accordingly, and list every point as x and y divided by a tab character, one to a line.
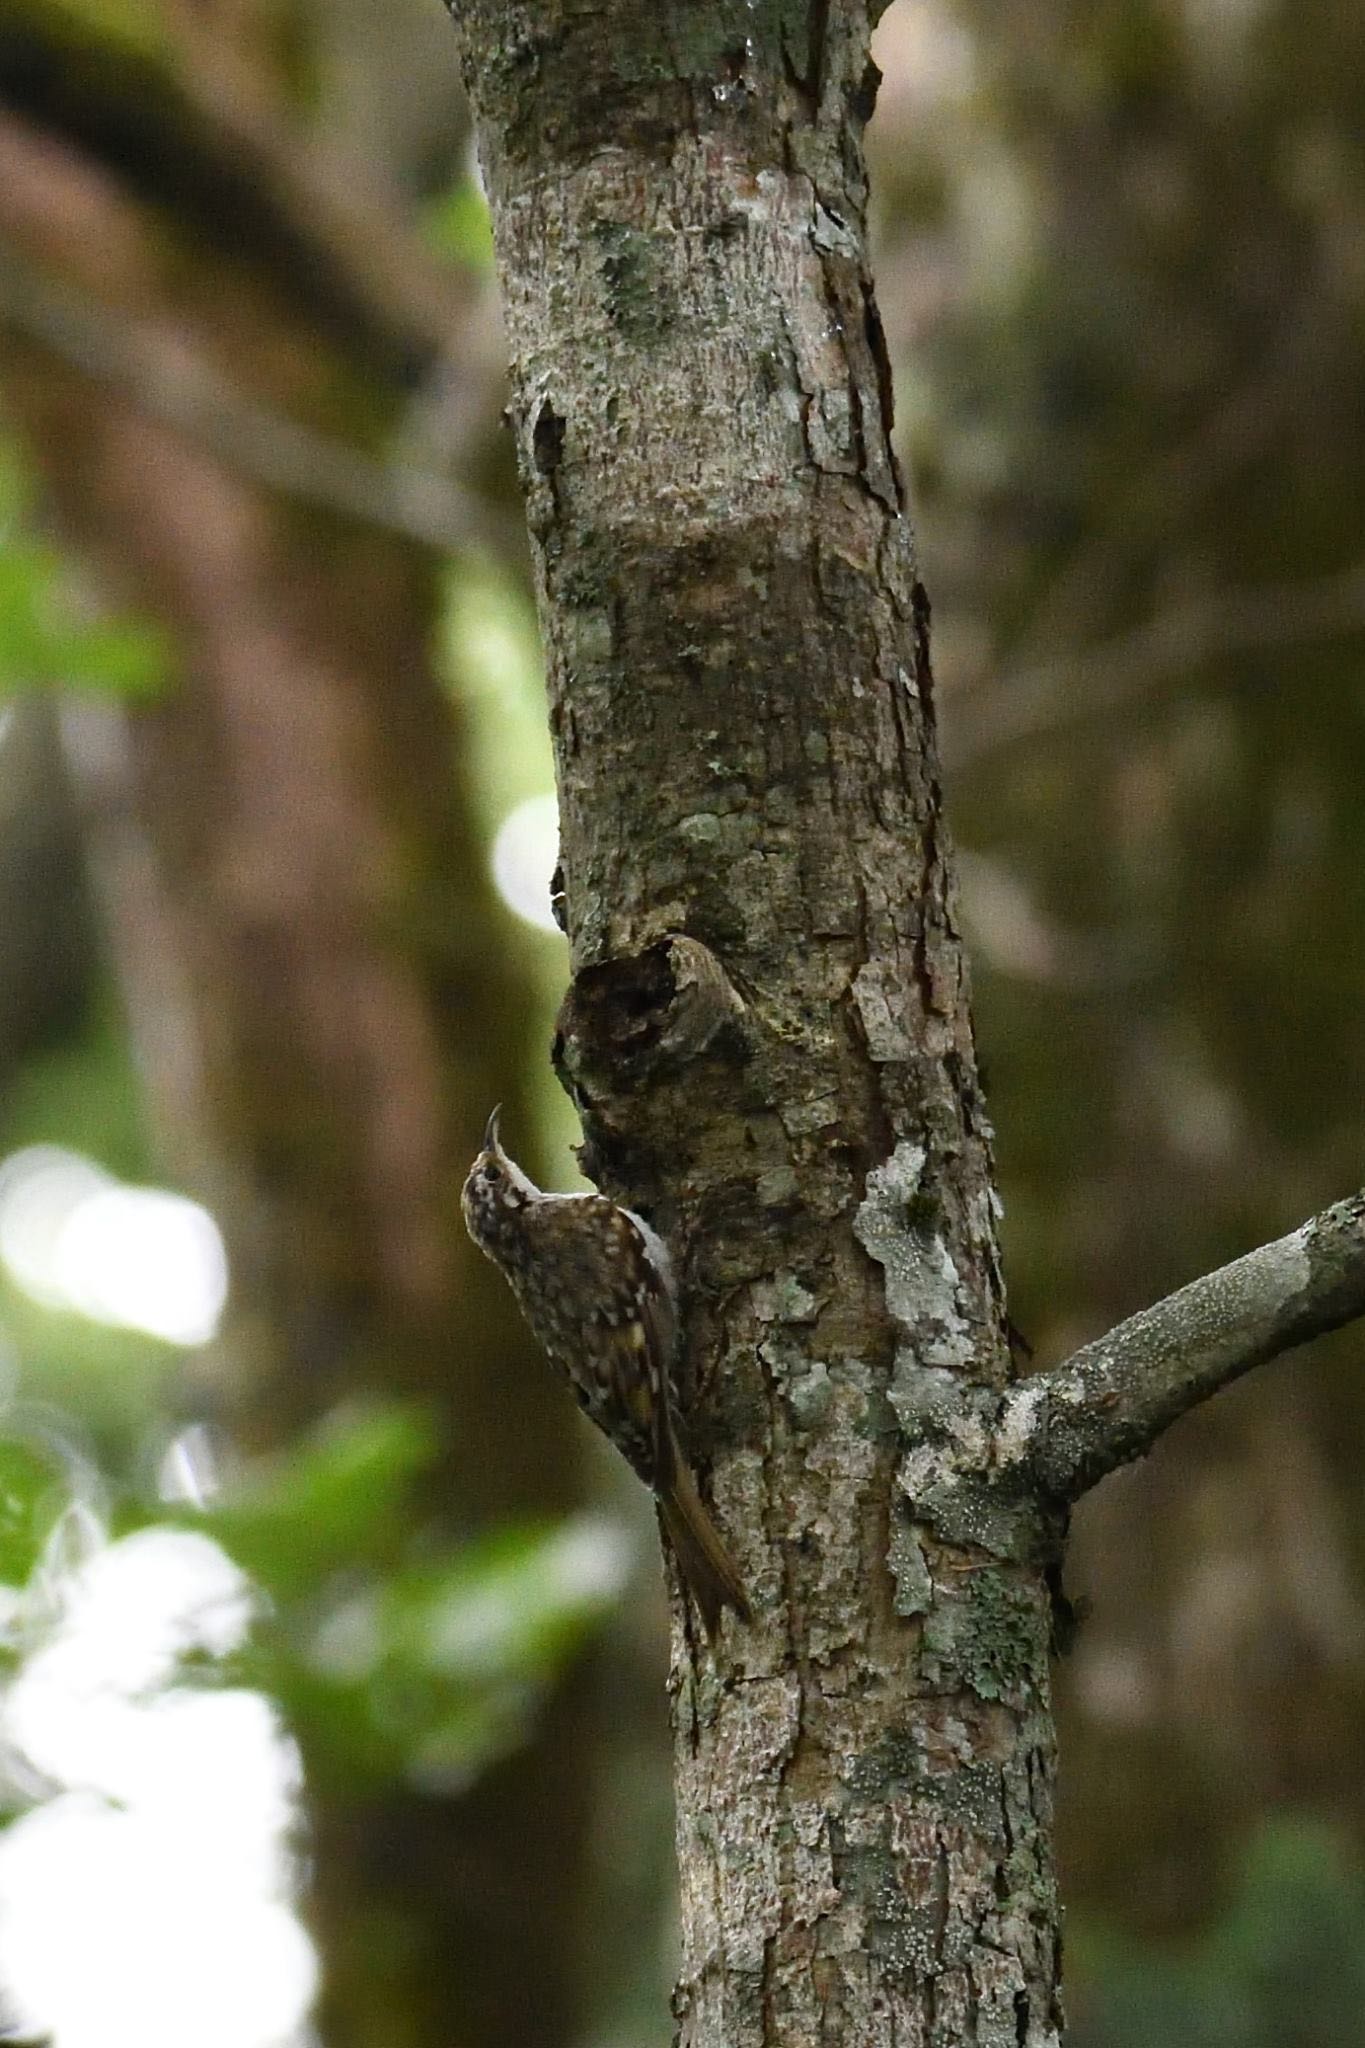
703	1560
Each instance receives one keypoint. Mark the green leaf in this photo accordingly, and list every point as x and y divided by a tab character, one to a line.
435	1670
334	1503
123	658
1284	1963
44	641
458	225
32	1498
27	571
511	1605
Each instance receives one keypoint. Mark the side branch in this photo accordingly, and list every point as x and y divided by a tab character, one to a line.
1110	1401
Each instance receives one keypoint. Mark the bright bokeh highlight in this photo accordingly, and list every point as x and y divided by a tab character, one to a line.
146	1902
525	850
75	1238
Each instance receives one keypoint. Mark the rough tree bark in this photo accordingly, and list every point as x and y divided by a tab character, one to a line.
768	1029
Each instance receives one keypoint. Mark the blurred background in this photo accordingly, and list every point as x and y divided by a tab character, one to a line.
331	1648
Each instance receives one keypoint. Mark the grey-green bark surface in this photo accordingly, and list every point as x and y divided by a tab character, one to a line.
740	697
768	1029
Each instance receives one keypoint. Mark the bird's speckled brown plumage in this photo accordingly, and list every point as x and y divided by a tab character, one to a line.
595	1284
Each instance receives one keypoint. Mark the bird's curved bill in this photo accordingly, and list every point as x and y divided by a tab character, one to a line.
490	1136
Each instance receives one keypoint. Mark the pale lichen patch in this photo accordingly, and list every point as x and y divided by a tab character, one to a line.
1023	1416
784	1299
914	1585
799	1119
923	1396
809	1391
703	828
923	1288
882	1008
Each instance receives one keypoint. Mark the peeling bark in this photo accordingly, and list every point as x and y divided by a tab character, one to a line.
768	1030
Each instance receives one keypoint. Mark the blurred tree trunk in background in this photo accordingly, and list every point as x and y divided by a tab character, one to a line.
323	997
48	924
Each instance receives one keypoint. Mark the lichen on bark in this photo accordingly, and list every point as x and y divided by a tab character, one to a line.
741	702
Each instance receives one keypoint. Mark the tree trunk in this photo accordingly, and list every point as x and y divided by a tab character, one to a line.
768	1030
742	708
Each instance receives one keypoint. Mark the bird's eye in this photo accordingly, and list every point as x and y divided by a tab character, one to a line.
492	1172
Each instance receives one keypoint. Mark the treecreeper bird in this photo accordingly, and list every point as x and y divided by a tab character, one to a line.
596	1285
